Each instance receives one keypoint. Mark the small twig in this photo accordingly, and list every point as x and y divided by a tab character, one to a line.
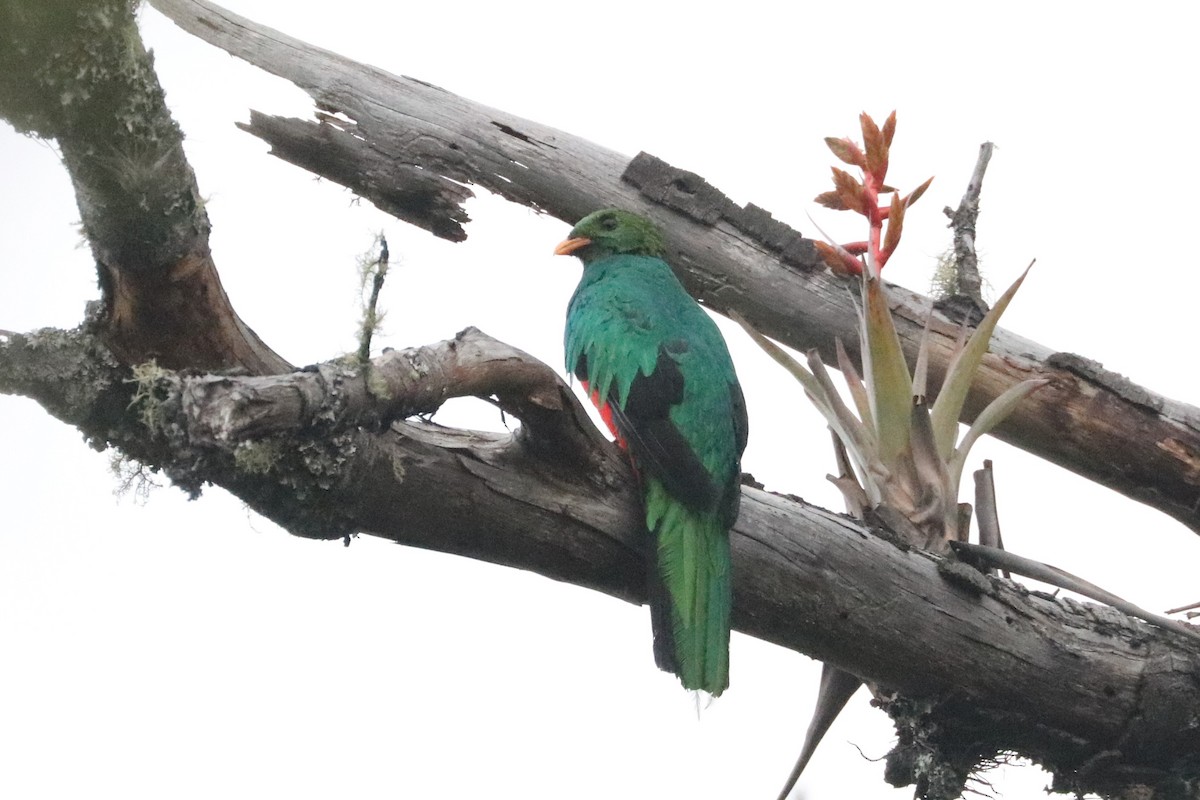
985	508
962	222
1188	607
991	556
378	271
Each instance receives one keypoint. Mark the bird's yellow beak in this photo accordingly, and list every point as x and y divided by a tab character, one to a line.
568	246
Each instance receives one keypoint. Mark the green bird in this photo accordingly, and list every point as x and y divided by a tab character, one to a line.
657	368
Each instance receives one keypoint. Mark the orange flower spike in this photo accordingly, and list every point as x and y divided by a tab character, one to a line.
849	191
838	260
831	200
873	176
916	193
877	146
875	253
889	129
846	150
894	229
851	194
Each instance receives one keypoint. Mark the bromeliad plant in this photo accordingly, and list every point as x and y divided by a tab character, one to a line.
899	456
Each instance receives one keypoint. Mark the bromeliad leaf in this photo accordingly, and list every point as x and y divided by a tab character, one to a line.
858	500
861	441
858	392
812	386
886	374
950	400
938	494
820	390
995	413
920	381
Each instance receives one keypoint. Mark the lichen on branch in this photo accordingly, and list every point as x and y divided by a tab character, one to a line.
78	73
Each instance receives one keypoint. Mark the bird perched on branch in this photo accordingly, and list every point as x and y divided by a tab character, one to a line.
657	368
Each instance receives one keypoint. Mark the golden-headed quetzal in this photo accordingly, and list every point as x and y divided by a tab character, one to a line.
659	371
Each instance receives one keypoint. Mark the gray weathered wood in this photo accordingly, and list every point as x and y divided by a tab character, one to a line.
414	139
1050	678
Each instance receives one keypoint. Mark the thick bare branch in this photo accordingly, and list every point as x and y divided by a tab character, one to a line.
77	72
418	144
1063	681
397	385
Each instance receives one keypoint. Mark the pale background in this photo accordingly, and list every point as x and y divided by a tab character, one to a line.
195	650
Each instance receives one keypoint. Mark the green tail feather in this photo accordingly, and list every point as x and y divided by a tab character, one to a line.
691	600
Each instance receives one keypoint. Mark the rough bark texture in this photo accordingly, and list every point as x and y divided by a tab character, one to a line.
412	139
968	283
981	666
78	73
1014	670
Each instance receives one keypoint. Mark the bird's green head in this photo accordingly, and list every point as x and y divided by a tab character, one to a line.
610	232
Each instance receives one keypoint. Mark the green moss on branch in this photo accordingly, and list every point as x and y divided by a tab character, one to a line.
77	72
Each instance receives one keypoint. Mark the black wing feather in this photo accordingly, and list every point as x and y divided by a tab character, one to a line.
655	443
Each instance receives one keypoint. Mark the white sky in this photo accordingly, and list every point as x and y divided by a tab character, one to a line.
191	650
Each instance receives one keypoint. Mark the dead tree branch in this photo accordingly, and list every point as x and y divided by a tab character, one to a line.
962	221
412	147
314	451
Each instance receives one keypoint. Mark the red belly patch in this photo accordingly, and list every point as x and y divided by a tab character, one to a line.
606	413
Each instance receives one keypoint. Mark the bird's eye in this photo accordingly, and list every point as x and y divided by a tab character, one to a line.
609	223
